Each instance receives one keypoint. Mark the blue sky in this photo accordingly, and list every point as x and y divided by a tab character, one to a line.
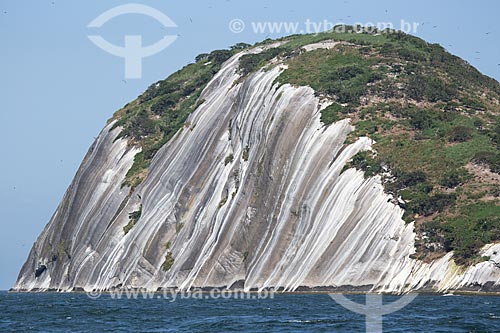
58	89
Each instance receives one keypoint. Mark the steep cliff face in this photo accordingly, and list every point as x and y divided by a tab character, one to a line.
83	216
253	192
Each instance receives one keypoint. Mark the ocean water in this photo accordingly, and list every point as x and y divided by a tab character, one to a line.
53	312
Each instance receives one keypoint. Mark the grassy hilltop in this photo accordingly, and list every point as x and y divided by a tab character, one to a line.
435	120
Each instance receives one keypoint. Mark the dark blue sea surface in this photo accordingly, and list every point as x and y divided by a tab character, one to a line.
51	312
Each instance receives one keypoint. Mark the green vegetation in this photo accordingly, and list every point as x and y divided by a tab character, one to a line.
385	65
158	114
332	113
229	159
134	217
495	135
250	63
222	202
460	134
424	87
473	226
427	157
365	160
453	178
246	153
489	159
168	262
61	249
432	116
435	120
343	74
298	41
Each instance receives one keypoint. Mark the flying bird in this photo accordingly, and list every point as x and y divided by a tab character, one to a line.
489	32
190	19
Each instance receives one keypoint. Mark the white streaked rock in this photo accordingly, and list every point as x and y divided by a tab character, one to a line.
287	217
